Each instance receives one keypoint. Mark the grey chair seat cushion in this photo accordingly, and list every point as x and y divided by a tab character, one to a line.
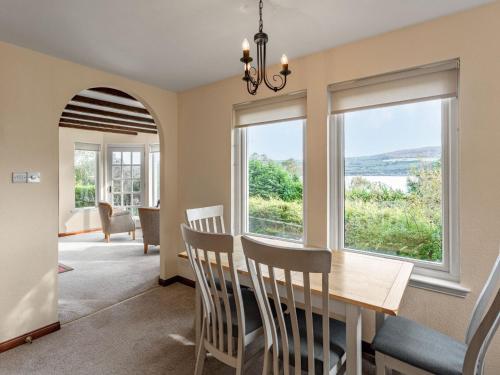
252	318
420	346
337	341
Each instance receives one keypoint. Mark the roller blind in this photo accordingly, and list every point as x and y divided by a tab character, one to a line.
87	146
289	107
154	148
438	80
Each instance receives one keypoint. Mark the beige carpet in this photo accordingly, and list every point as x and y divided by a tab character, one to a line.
148	334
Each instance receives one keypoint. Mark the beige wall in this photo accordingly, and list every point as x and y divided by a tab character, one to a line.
205	116
74	220
34	89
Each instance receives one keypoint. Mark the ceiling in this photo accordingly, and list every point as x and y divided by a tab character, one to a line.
180	44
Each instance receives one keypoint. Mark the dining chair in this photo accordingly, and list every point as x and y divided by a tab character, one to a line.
410	348
298	337
208	219
230	321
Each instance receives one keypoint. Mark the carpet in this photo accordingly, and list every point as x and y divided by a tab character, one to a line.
150	334
104	273
61	268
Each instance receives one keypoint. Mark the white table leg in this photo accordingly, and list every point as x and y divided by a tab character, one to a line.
379	320
353	339
197	317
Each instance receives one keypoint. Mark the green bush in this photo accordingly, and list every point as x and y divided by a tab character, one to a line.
275	217
85	196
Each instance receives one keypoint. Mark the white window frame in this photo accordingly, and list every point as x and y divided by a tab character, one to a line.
449	269
95	147
241	184
153	149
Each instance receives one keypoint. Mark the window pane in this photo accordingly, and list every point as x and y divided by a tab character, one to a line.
136	171
393	184
117	200
155	172
85	168
136	199
127	171
117	157
117	186
137	185
117	172
127	199
136	158
275	179
126	158
127	186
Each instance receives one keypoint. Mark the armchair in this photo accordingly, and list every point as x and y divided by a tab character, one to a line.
115	221
150	224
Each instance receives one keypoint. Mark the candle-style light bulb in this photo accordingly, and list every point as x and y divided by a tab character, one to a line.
284	60
245	45
284	63
246	49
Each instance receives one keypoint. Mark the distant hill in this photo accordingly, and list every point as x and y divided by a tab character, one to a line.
394	163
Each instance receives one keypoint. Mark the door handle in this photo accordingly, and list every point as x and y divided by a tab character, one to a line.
109	188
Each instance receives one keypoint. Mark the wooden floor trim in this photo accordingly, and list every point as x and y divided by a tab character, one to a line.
27	337
66	234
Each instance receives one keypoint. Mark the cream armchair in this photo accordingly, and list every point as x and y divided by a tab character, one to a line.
150	224
117	221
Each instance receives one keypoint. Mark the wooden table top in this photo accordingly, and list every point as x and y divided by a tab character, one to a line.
374	283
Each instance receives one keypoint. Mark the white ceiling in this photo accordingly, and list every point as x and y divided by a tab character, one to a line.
180	44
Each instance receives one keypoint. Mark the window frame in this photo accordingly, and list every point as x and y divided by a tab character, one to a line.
449	269
154	149
240	165
94	147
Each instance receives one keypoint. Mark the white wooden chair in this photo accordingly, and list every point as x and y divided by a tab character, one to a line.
230	321
308	341
411	348
206	219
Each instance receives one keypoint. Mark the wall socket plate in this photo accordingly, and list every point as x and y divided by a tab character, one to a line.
33	177
19	177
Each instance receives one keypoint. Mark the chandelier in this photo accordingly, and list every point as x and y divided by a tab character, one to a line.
254	76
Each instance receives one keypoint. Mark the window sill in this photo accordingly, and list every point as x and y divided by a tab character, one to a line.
83	209
438	285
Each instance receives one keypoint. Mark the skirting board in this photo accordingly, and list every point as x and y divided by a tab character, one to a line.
65	234
37	333
176	279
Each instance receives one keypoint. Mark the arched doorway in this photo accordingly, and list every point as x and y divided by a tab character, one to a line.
109	151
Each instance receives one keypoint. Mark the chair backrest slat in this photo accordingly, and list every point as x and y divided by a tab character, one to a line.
293	263
483	301
211	255
206	219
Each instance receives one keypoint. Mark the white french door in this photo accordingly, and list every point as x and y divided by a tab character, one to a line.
126	182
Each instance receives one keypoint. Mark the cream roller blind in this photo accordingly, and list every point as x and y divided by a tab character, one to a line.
289	107
87	146
154	147
438	80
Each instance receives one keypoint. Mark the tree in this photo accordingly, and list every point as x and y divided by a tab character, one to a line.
268	179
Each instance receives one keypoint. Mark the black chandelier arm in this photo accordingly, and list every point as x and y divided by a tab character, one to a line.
276	77
252	88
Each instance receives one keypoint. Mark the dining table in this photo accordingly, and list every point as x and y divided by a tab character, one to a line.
358	281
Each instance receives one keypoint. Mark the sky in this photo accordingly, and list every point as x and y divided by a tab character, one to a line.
367	132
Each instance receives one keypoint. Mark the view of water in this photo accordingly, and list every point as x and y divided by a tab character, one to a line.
395	182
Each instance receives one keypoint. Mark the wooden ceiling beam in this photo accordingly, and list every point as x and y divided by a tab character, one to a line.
105	103
106	120
93	111
92	128
113	92
105	126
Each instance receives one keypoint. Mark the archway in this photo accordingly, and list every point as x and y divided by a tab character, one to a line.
109	151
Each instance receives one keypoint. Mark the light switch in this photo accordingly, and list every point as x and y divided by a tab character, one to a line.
33	177
19	177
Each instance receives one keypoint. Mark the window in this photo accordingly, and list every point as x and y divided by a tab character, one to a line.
155	174
394	177
86	167
270	169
